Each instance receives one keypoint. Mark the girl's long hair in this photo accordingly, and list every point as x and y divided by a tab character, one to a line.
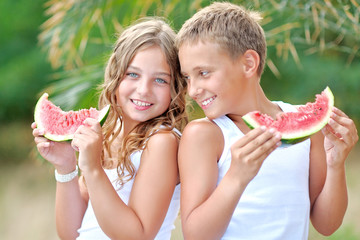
143	33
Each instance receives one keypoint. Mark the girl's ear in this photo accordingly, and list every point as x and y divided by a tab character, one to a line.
251	60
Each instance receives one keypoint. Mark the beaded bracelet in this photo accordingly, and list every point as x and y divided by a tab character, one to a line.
66	177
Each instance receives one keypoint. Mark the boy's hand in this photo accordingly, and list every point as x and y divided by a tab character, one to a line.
249	152
88	141
60	154
340	137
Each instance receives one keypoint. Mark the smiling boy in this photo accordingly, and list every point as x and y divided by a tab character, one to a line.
237	183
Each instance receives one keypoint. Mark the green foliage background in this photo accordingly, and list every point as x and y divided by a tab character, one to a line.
311	44
24	70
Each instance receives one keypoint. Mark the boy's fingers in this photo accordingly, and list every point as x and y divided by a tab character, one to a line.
267	147
250	136
257	143
343	128
341	120
339	112
332	136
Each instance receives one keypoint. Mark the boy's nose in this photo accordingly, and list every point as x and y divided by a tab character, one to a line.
193	90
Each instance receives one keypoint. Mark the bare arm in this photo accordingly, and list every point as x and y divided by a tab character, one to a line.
70	202
151	193
206	209
328	190
70	207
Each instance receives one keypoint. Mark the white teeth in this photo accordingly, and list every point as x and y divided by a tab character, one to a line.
206	102
140	103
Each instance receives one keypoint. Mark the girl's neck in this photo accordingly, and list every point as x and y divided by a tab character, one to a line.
126	128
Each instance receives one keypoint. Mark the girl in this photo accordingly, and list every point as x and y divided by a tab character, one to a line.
129	184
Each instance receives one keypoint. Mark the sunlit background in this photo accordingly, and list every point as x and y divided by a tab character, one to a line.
62	46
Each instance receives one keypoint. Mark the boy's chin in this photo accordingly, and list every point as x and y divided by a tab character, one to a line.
212	115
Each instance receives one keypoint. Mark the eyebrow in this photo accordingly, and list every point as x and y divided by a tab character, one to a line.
197	68
131	67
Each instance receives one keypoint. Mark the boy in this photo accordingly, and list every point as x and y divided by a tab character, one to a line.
237	183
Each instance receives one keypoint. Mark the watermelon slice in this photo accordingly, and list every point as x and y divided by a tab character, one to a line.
297	126
60	125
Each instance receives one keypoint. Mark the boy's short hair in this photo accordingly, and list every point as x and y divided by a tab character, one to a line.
231	26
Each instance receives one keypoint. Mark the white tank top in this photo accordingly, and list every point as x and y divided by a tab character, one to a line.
90	229
275	204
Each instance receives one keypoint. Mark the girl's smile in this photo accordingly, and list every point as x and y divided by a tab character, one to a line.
141	105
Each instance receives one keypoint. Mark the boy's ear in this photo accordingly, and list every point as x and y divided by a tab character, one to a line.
251	60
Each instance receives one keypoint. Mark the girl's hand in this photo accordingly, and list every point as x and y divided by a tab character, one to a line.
60	154
340	137
249	152
88	140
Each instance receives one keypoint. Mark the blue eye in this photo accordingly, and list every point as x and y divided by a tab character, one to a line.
133	75
159	80
186	78
204	73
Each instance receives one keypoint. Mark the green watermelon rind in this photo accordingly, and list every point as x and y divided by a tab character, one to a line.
61	138
294	138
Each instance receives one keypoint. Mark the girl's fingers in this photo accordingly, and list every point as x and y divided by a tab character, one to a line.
83	135
38	132
93	124
43	145
40	140
74	145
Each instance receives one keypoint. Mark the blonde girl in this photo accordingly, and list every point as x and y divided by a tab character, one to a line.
129	186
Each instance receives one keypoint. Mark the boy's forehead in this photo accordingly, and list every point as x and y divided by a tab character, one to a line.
193	55
202	47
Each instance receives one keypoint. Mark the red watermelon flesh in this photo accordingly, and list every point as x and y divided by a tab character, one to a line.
60	125
300	125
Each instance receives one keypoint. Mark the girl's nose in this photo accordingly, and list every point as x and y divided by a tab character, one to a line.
143	86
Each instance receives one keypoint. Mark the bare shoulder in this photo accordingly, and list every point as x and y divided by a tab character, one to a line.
161	145
203	135
202	128
160	156
201	146
163	137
